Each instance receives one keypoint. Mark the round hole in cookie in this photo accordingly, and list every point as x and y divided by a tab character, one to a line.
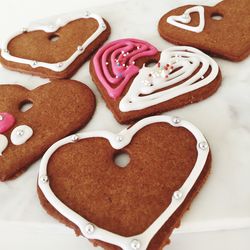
54	37
25	106
216	16
121	159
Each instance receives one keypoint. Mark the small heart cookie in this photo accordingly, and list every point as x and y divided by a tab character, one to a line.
55	47
55	110
221	30
133	207
133	87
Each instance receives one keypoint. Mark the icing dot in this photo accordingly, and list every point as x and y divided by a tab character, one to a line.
3	143
6	122
21	134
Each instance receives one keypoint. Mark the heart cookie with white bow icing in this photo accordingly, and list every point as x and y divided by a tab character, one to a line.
32	120
55	47
134	207
134	87
221	30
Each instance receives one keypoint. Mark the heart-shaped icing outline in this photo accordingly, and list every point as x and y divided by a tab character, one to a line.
187	58
182	20
52	25
118	141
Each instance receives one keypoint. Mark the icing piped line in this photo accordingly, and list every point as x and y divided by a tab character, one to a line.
118	141
182	20
51	25
177	64
114	63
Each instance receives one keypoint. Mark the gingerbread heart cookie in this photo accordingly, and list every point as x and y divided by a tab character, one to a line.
131	208
55	110
221	30
134	88
55	47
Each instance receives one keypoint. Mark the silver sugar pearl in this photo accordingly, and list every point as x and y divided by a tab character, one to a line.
75	138
20	132
89	228
86	13
135	244
119	138
80	48
44	178
176	120
177	195
203	145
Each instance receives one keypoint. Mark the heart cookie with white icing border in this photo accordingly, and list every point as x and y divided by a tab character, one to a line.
221	30
55	47
32	120
135	207
134	88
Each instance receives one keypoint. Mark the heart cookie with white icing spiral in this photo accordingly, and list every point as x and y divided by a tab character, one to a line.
221	30
32	120
134	207
136	80
54	47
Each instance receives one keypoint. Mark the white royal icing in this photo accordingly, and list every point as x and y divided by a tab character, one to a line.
118	141
145	90
3	143
21	134
51	25
182	20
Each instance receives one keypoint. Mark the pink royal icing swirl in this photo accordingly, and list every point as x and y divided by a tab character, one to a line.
6	121
119	57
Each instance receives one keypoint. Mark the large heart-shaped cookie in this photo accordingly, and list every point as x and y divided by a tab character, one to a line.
132	90
221	30
59	108
131	208
55	47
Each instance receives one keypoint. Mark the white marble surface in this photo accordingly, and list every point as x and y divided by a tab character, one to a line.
223	203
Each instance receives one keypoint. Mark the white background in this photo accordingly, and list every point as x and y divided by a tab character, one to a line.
220	216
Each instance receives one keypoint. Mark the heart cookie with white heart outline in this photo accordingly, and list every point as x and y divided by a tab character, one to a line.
55	47
59	108
136	207
221	30
133	88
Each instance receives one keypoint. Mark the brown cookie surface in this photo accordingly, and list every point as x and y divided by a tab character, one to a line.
182	75
59	108
57	47
125	201
225	33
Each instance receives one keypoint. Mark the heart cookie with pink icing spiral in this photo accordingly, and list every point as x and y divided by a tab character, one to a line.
136	80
